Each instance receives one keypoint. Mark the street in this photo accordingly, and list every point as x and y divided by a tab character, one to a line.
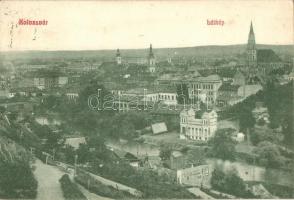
48	181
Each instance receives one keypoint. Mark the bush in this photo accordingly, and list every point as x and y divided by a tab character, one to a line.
279	190
148	182
214	195
229	183
69	189
99	188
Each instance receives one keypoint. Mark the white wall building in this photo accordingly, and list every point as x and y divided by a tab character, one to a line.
62	80
195	176
201	128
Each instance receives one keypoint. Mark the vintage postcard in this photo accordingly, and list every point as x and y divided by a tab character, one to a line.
146	99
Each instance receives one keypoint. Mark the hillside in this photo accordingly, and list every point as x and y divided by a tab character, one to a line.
200	51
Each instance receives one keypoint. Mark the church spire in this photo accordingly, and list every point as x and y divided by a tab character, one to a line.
117	52
251	28
151	55
251	38
251	49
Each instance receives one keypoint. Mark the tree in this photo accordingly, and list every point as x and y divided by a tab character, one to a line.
223	146
265	134
83	153
17	180
95	90
245	118
2	109
269	155
229	183
218	179
51	102
165	152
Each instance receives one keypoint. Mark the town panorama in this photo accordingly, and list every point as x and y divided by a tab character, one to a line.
207	122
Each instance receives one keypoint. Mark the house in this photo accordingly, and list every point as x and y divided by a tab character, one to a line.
260	112
24	91
239	137
177	160
248	90
207	86
228	95
227	75
75	142
239	79
151	162
126	156
195	176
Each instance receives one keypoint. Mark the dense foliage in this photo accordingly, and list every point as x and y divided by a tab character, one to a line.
147	181
279	101
222	145
229	183
17	180
98	188
165	152
69	189
269	155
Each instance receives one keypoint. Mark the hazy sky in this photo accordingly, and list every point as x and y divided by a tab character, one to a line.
77	25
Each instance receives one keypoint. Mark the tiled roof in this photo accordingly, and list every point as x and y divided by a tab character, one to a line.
267	55
159	128
229	87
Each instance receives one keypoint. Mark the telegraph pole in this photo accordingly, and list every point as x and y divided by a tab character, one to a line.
76	159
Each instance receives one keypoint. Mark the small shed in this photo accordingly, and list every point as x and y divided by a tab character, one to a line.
158	128
75	142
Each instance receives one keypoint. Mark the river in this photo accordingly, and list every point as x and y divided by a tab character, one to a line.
246	171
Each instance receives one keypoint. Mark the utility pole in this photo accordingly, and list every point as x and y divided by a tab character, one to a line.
76	159
99	99
53	151
47	159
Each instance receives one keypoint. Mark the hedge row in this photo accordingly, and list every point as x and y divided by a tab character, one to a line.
69	189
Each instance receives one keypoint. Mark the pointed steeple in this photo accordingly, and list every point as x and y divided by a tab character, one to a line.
251	38
251	49
151	55
251	28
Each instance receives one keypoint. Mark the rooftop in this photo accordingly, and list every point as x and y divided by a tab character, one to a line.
267	55
229	87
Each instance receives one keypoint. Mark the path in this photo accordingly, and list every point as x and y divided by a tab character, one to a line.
48	181
198	192
116	185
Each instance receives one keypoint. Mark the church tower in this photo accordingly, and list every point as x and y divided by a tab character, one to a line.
151	60
118	57
251	49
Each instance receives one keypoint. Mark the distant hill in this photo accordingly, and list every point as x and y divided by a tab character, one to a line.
199	51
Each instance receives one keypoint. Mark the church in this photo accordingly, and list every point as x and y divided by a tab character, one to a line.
150	61
260	60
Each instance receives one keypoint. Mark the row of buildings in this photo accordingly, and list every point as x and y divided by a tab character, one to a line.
150	61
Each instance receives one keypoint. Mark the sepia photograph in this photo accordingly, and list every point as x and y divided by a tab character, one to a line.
147	99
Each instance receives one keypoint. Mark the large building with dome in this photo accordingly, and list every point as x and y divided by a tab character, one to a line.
197	125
